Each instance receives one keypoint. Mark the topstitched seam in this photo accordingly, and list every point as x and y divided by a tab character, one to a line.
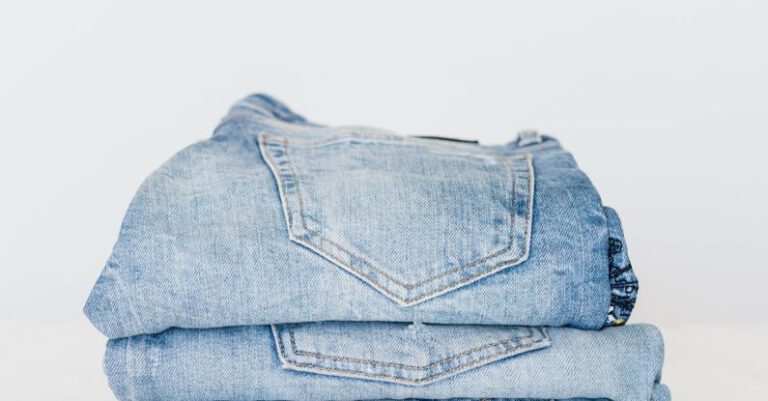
296	351
352	254
368	263
470	364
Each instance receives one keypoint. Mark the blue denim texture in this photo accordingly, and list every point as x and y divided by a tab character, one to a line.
278	220
286	260
242	363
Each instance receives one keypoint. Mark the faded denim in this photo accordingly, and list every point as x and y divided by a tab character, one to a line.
278	220
363	361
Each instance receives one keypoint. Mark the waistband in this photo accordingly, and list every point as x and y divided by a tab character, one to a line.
266	112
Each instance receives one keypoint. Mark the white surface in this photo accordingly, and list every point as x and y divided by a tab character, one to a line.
663	104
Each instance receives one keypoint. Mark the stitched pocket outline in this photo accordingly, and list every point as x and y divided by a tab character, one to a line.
310	347
412	219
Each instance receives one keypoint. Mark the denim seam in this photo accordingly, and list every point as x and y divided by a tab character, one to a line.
131	385
405	285
386	139
423	380
276	123
407	301
347	132
296	351
371	265
155	363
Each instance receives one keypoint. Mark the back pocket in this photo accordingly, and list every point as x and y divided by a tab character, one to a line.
411	217
409	354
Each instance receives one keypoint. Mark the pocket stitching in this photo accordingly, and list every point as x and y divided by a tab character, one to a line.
395	280
424	380
403	366
311	240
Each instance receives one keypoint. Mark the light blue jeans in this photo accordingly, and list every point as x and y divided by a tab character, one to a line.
278	220
363	361
285	260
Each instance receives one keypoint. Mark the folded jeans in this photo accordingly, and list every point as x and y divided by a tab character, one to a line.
368	361
278	220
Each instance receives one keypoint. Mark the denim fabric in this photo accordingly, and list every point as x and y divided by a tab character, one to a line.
362	361
621	276
278	220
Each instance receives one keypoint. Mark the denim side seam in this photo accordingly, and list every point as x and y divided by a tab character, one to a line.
131	365
154	360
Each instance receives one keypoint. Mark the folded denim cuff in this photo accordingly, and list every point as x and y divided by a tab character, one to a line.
622	278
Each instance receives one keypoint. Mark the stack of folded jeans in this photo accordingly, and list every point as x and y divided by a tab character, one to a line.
286	260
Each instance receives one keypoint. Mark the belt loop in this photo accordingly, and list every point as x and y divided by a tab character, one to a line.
528	137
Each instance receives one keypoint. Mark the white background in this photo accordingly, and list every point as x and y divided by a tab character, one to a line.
664	104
